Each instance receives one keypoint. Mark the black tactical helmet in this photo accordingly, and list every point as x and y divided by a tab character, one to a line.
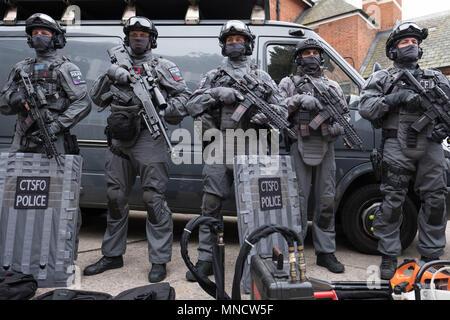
403	30
43	21
308	43
140	24
234	27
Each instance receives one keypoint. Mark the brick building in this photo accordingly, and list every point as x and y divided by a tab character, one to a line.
358	30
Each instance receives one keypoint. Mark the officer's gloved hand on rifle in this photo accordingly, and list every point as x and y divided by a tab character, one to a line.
260	118
439	133
336	129
17	100
53	129
407	98
118	74
226	95
304	101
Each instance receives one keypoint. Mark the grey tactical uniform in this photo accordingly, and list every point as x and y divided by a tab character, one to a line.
143	156
66	94
313	157
421	162
218	178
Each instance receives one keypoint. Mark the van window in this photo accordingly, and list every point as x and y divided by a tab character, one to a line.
280	64
193	56
90	55
13	51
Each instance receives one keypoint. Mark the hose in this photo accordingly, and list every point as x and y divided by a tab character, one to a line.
216	290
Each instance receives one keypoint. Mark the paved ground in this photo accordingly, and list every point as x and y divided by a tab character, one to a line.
135	271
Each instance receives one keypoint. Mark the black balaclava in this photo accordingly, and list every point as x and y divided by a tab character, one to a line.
42	43
235	50
408	54
139	45
311	64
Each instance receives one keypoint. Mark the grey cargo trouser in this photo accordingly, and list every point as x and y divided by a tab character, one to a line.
323	190
120	178
217	184
431	186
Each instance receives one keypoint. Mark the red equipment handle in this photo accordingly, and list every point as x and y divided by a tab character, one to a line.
325	295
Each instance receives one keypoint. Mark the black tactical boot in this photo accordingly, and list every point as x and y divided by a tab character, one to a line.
329	261
204	269
388	267
158	272
105	263
428	259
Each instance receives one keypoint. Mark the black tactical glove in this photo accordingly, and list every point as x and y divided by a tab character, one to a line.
17	100
259	118
118	74
293	103
439	133
336	130
310	103
54	128
407	98
226	95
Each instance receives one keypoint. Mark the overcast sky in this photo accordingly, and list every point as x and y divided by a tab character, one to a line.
416	8
419	8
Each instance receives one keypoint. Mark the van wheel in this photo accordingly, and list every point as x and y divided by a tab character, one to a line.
357	215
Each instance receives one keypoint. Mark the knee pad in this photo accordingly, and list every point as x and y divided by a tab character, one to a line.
117	202
156	205
434	208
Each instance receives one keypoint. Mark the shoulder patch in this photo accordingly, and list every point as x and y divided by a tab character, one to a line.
77	77
176	73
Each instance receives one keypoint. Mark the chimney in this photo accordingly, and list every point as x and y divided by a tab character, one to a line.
384	12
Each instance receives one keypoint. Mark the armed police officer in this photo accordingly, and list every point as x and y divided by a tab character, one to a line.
59	86
214	103
59	83
410	153
134	150
313	151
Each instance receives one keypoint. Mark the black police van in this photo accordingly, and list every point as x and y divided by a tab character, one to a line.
192	44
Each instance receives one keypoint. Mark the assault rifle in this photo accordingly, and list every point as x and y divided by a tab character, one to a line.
330	100
36	100
146	89
254	96
434	100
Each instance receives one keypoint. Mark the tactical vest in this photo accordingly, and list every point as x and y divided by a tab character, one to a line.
398	121
125	104
312	144
225	112
46	77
